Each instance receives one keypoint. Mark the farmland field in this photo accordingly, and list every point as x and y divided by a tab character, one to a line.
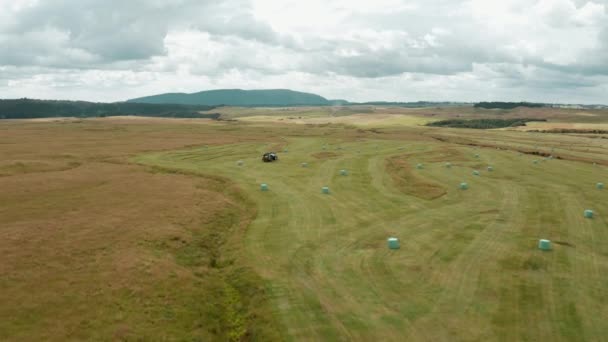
150	229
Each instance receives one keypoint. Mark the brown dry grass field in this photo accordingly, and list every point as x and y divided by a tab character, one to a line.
147	229
89	240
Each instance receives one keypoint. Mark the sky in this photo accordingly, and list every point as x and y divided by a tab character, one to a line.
553	51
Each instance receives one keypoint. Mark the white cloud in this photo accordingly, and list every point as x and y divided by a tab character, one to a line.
354	49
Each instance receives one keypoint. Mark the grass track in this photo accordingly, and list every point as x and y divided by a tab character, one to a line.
468	268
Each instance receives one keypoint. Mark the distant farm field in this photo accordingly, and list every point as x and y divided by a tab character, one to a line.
362	120
135	229
563	125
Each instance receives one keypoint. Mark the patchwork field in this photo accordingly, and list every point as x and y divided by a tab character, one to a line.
135	229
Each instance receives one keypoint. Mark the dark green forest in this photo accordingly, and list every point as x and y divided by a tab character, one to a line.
482	123
507	105
30	108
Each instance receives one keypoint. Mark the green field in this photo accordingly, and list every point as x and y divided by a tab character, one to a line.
468	267
149	229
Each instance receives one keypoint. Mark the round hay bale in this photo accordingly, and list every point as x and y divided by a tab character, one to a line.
588	213
344	172
600	186
464	186
264	187
325	190
304	164
393	243
544	245
419	166
448	165
475	173
240	163
490	168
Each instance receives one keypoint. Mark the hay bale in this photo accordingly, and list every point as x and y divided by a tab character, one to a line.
393	243
344	172
588	213
285	150
535	161
419	166
600	186
448	165
475	173
544	245
325	190
464	186
240	163
264	187
490	168
304	164
476	155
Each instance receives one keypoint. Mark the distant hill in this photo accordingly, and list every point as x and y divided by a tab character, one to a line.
338	102
238	97
30	108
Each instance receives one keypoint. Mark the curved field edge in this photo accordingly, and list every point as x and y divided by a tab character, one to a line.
235	294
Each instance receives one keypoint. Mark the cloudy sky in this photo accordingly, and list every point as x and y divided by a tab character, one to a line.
534	50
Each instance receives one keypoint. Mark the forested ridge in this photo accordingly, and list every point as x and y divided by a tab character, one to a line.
507	105
482	123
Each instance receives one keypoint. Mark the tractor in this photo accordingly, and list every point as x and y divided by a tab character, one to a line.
269	157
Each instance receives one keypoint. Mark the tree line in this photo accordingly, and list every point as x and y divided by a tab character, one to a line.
507	105
31	108
482	123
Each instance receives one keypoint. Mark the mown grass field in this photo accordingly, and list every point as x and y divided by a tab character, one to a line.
150	229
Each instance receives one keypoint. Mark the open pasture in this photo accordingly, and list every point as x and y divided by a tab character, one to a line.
127	229
468	267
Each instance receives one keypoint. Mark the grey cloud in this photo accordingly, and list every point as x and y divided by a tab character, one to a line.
98	32
95	34
591	62
387	63
510	75
107	30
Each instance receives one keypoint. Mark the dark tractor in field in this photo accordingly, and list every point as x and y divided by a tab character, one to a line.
270	157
